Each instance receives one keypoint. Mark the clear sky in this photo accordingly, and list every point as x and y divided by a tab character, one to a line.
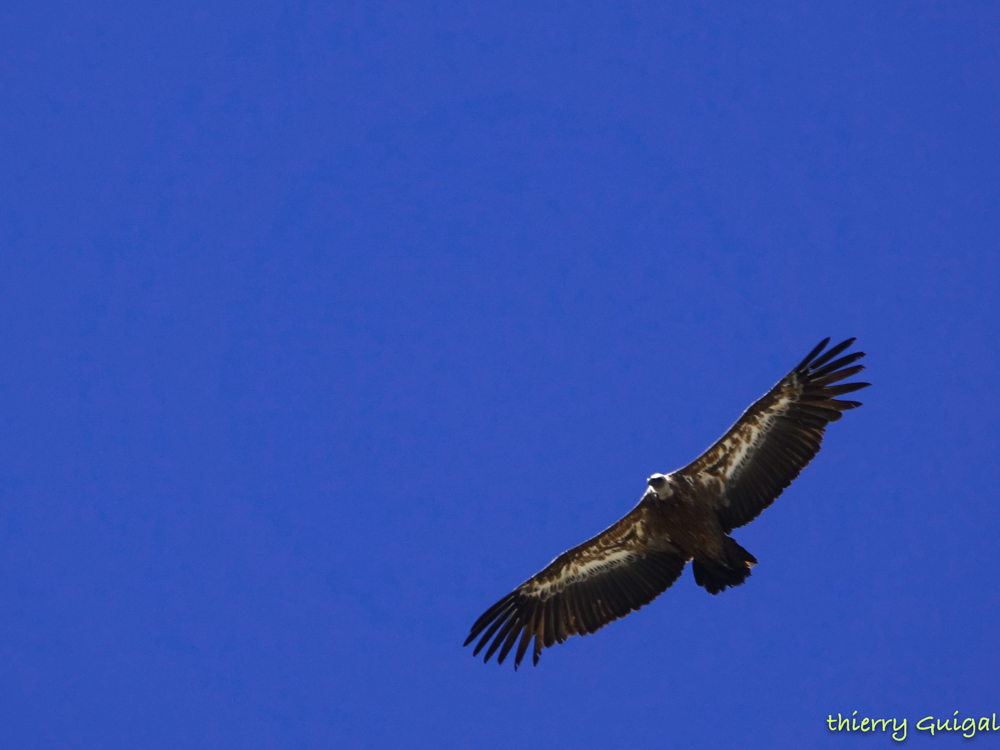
326	324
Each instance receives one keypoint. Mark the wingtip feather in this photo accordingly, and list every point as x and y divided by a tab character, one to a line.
816	350
831	353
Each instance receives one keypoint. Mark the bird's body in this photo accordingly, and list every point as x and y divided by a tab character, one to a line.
683	516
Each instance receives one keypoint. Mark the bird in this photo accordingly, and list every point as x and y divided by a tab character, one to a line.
684	516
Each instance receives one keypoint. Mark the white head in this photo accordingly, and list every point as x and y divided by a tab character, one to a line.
660	484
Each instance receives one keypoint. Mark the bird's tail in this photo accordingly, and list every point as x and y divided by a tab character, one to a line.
733	570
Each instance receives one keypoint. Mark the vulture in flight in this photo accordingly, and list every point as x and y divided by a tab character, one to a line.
685	515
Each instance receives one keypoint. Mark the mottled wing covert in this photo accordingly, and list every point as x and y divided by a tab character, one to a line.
760	455
581	591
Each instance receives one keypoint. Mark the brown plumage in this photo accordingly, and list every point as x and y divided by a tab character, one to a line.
685	515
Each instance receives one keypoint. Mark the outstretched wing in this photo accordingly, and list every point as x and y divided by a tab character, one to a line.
582	590
776	437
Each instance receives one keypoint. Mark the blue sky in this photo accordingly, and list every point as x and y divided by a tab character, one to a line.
327	324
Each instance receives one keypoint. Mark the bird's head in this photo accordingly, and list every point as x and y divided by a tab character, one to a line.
660	484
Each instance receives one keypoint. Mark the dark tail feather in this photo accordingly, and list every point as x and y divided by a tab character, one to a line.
715	576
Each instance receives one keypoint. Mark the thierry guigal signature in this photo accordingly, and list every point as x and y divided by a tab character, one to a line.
967	727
